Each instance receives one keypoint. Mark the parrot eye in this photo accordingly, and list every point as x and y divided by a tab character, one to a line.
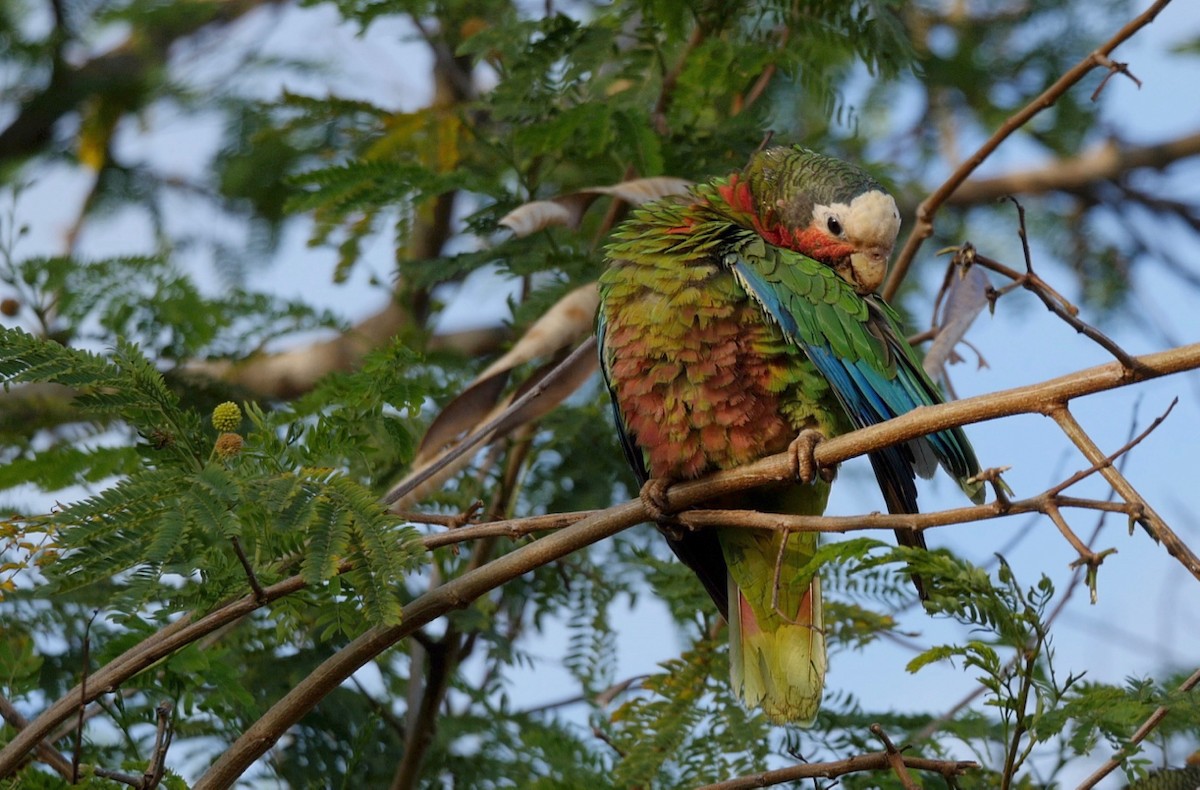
834	226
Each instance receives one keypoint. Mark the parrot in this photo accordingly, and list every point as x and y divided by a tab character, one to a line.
738	321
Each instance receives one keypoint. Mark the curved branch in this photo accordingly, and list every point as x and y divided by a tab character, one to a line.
462	591
457	593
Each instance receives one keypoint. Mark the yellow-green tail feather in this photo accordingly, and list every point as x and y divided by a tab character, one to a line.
776	626
780	670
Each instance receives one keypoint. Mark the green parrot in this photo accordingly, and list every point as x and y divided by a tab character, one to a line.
741	321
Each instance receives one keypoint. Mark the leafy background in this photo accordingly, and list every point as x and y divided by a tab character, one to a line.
281	174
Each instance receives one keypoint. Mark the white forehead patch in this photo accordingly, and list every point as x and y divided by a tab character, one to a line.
870	220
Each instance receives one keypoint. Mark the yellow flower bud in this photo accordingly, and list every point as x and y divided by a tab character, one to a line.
227	416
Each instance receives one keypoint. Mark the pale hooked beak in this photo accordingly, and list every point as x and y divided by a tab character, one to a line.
868	267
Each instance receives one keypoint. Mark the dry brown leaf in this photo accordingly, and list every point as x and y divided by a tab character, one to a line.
460	415
567	322
965	299
568	210
531	217
643	190
571	380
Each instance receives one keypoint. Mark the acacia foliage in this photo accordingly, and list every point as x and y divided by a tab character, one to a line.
126	504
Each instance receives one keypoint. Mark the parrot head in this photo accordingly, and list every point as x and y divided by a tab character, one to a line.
830	210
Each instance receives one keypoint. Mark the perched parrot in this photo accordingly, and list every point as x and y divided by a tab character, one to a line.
741	321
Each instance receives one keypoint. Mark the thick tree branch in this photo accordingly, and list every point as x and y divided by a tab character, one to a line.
1106	162
925	212
462	591
46	752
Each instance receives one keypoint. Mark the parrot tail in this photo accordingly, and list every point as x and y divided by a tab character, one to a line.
777	663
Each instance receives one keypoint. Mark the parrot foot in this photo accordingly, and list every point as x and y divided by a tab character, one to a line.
802	452
654	499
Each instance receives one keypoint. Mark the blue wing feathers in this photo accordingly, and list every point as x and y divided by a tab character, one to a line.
869	393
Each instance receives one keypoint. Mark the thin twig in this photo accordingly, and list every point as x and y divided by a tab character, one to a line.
1114	68
1011	762
1055	302
163	735
1108	460
1146	515
601	698
250	577
659	114
77	752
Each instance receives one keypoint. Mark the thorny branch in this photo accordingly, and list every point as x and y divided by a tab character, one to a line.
925	212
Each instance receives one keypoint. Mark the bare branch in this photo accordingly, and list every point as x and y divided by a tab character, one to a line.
1144	515
457	593
967	255
248	568
162	742
929	206
45	750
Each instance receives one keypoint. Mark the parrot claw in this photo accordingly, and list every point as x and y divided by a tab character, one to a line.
654	499
802	452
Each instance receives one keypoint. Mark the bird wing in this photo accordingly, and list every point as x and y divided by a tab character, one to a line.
856	344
